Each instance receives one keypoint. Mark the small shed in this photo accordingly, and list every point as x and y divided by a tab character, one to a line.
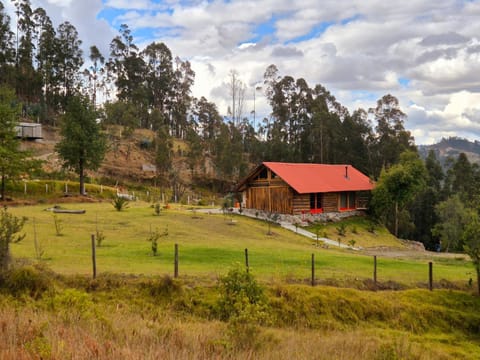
29	131
293	188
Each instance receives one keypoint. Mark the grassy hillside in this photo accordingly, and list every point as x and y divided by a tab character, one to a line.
208	245
52	309
120	317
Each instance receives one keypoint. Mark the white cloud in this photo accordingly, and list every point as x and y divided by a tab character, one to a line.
367	48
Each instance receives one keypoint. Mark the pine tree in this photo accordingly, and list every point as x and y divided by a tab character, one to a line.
13	161
83	146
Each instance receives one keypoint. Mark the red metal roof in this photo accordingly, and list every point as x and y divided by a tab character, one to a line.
313	178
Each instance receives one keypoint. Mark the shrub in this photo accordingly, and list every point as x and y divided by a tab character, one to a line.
26	280
10	226
342	229
166	286
238	291
73	305
243	303
119	203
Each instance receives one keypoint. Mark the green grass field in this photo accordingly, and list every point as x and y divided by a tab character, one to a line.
208	246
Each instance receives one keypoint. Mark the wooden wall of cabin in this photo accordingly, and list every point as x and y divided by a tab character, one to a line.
277	199
301	203
330	202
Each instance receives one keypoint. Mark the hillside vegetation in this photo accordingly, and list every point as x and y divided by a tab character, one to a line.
211	243
50	316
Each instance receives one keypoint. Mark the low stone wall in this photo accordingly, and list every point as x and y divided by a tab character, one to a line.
303	219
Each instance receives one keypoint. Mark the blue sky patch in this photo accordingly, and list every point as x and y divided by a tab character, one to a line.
404	81
267	28
351	19
315	32
110	14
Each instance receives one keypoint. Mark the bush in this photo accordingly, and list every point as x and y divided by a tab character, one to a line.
166	286
119	203
243	303
238	291
342	229
26	280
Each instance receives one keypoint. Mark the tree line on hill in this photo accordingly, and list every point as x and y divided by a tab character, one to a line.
54	83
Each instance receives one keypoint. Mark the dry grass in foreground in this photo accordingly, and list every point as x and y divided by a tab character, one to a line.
47	316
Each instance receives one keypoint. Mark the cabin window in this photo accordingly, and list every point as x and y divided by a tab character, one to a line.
263	174
347	200
316	203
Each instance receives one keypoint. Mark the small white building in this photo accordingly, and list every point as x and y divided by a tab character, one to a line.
29	130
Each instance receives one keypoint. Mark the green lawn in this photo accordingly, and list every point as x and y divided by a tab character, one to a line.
208	246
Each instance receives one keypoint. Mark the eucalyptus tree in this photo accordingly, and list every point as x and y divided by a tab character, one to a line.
69	60
159	76
236	90
46	59
391	137
95	71
422	210
182	99
25	84
355	141
7	49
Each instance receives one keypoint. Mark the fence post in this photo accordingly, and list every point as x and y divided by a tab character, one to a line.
430	276
175	272
375	270
94	259
313	269
246	260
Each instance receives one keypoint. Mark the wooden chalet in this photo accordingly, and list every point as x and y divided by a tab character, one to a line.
290	188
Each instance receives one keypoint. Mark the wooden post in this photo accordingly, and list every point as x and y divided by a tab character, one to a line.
94	259
246	260
175	272
375	270
430	276
313	269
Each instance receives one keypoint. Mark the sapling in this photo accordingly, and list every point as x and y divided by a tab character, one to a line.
10	226
99	235
38	246
58	223
342	229
154	237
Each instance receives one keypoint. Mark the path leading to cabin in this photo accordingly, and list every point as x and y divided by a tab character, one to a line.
286	225
312	236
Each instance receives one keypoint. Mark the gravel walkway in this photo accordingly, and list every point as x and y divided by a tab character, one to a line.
286	225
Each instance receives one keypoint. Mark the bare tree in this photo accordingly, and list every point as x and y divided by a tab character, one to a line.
237	90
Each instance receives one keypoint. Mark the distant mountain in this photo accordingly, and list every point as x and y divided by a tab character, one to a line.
451	148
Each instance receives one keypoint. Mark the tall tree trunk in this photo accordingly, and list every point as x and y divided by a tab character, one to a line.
2	188
82	177
396	219
478	279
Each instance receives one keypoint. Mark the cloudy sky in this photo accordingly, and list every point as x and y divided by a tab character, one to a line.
426	53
